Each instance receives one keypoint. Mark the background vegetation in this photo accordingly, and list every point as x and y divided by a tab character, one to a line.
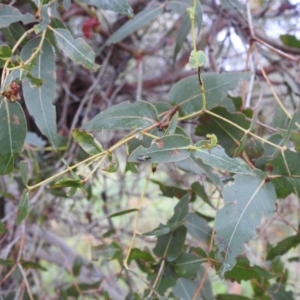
149	149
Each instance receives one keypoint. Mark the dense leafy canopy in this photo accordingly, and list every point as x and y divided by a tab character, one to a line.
148	135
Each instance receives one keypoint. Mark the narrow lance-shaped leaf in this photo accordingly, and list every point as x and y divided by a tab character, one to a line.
39	99
76	49
143	18
87	142
170	148
246	202
22	207
119	6
12	133
67	182
9	15
123	212
123	116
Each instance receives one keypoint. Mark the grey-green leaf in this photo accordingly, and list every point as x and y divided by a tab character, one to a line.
170	245
187	93
196	166
218	158
76	49
87	142
9	15
22	207
119	6
123	116
167	149
246	201
12	133
197	227
144	17
39	99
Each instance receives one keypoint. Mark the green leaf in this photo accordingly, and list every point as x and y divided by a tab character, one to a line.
12	133
197	227
78	262
170	245
87	142
10	14
123	116
290	40
76	49
196	166
39	99
119	6
22	207
33	139
67	4
166	280
287	170
45	20
35	82
66	182
164	229
242	145
32	265
5	54
123	212
199	190
173	191
186	265
182	33
170	148
181	209
113	165
246	202
231	297
284	246
278	292
13	33
180	7
109	252
197	59
24	171
217	158
186	288
143	18
172	125
227	134
187	94
2	228
244	271
144	259
270	152
131	167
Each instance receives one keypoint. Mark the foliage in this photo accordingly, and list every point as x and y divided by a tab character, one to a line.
96	118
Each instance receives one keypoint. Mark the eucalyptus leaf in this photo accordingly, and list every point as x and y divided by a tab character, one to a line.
12	133
39	99
141	19
22	207
170	148
246	201
125	115
9	15
76	49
